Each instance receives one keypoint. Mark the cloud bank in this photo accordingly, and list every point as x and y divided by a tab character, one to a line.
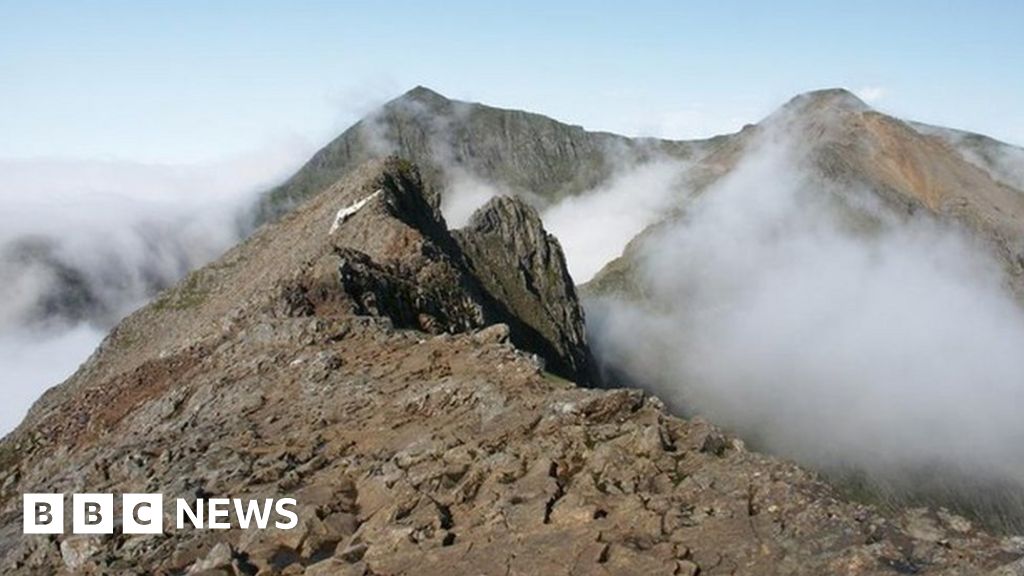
83	243
592	226
823	327
595	227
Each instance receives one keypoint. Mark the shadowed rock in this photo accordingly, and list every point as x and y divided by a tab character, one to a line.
522	266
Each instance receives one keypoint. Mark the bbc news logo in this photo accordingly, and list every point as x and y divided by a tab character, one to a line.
144	513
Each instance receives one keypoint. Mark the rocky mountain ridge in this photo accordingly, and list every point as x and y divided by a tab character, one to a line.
840	143
523	153
354	354
543	161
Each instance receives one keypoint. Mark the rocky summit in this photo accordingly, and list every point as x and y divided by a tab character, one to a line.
412	388
837	141
526	154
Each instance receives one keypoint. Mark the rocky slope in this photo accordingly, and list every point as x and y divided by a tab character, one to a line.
526	154
1004	162
840	143
362	358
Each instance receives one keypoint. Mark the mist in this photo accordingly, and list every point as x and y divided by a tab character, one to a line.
463	195
32	362
822	326
592	227
83	243
595	227
810	317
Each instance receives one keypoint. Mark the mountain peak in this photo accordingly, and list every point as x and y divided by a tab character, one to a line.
423	95
826	99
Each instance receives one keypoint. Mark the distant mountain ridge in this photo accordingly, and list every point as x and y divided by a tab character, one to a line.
523	152
544	161
912	168
969	178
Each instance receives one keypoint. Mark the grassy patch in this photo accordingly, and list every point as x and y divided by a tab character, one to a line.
189	294
555	378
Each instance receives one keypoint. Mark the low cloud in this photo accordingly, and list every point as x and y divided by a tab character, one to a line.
32	362
82	243
871	94
594	227
463	195
824	327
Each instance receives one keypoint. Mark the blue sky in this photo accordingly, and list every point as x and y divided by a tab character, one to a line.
182	82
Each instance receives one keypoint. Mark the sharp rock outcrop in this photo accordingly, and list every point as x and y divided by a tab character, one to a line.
523	268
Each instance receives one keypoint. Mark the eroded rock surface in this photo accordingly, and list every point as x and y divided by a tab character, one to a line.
523	267
366	372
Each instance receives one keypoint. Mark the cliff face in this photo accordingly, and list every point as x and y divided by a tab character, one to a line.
523	267
521	152
359	357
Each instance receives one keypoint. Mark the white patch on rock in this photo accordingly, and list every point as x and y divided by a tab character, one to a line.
564	407
348	211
